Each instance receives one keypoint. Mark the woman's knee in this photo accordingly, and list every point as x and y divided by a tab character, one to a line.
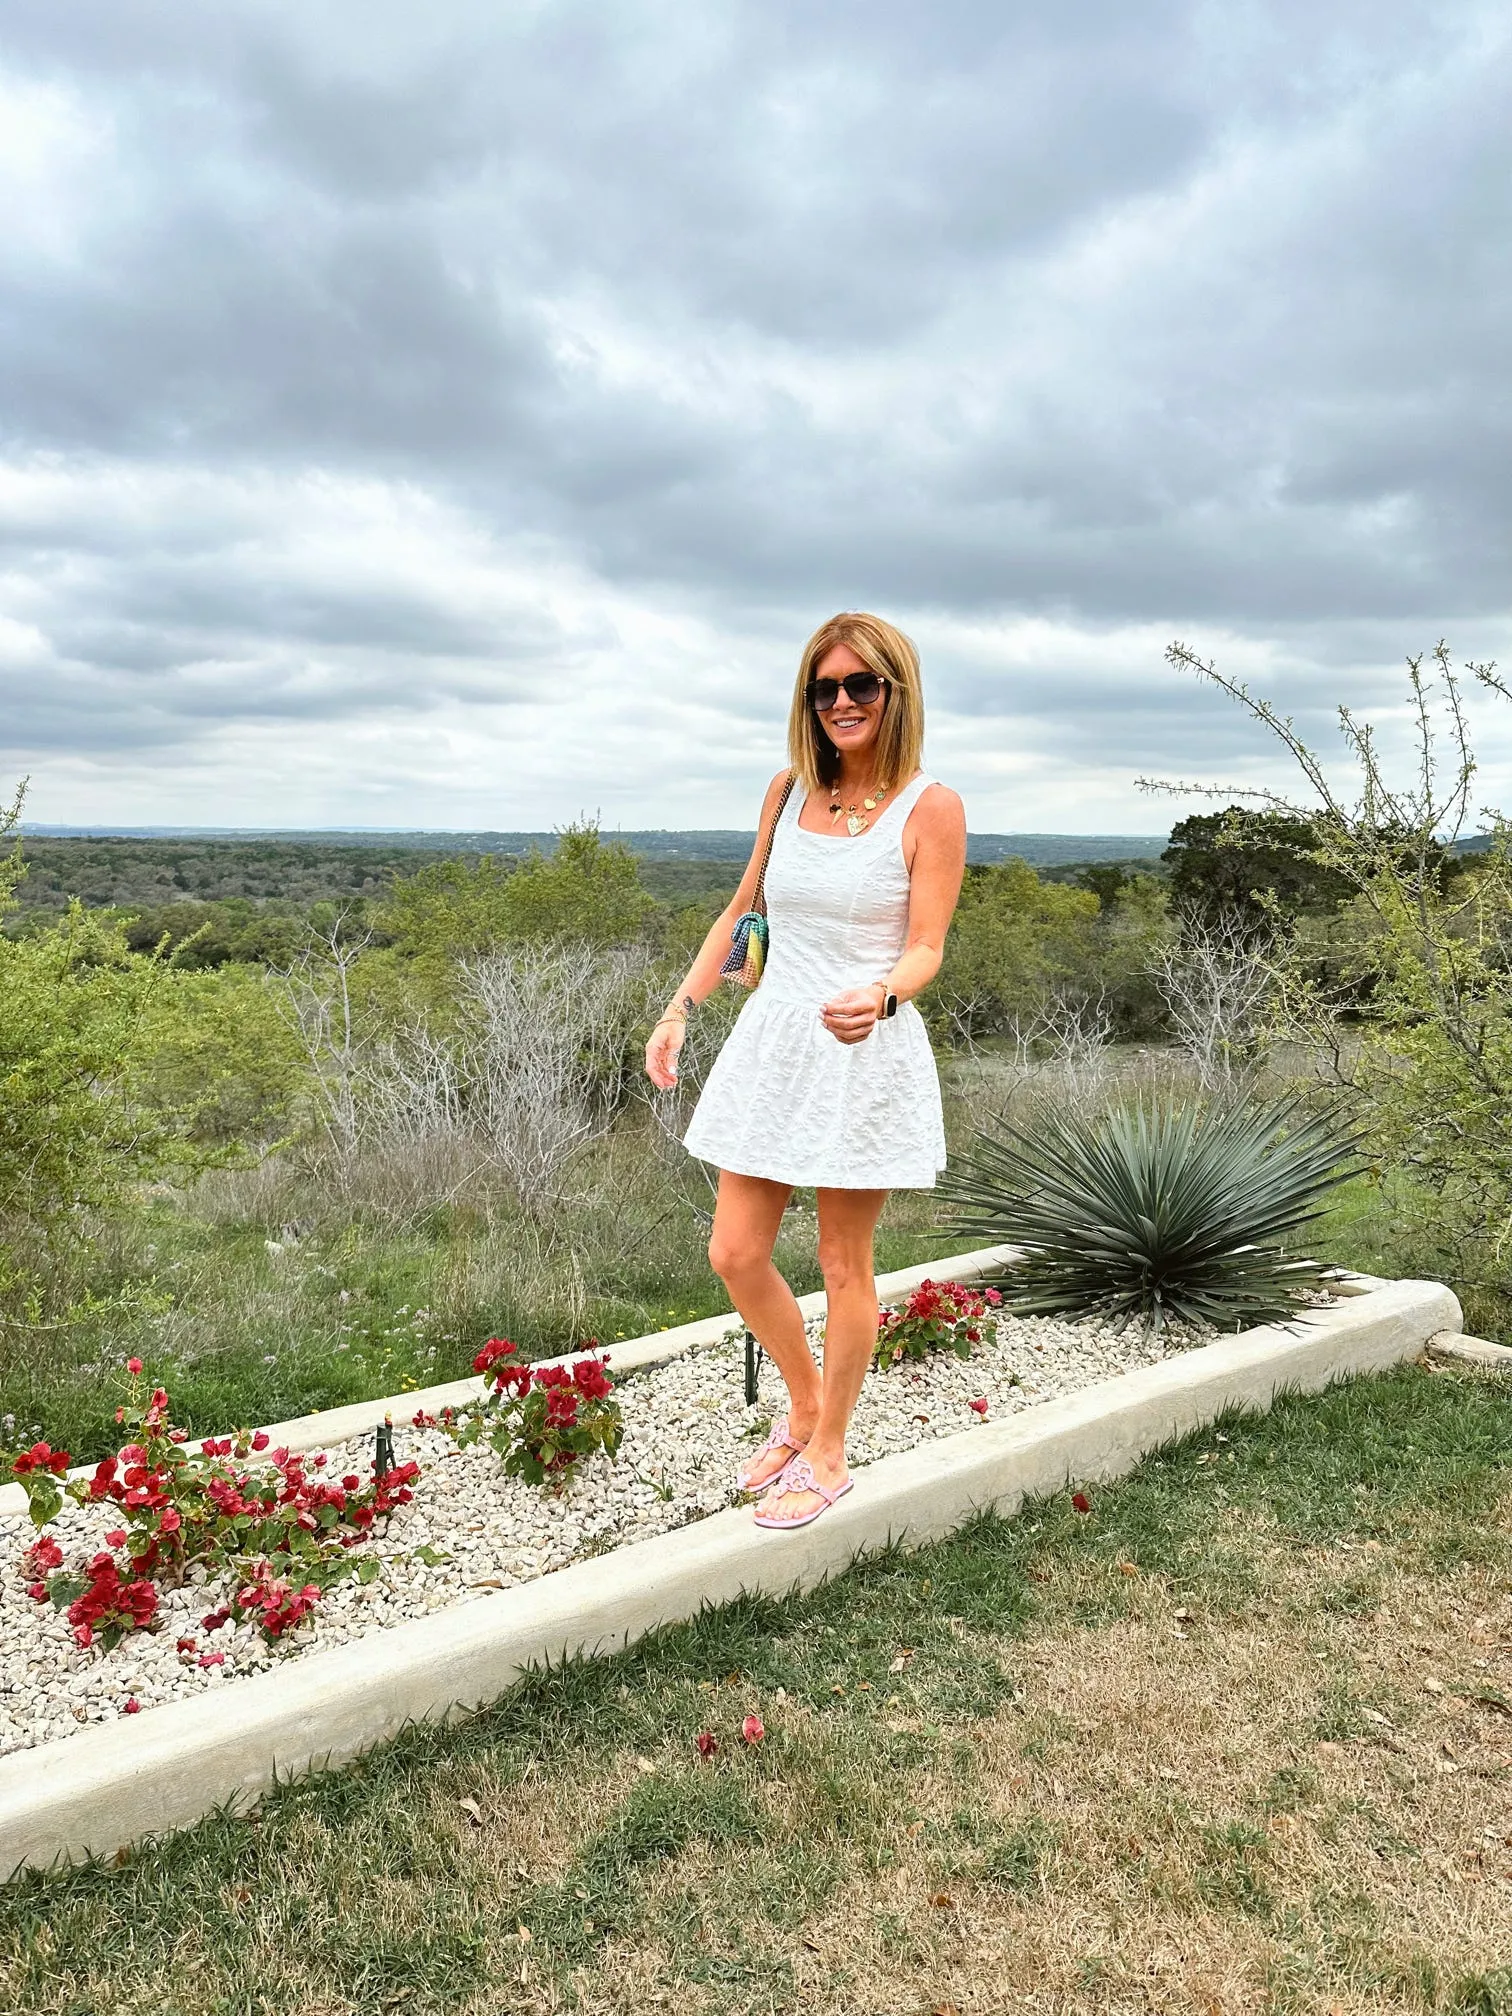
845	1262
736	1257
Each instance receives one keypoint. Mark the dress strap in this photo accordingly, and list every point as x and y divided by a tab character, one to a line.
910	795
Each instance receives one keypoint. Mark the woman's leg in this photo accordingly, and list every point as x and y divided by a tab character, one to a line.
747	1217
847	1220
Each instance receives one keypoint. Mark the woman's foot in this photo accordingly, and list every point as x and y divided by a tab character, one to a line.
807	1487
772	1458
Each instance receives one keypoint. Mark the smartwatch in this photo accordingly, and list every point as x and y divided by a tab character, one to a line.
889	1002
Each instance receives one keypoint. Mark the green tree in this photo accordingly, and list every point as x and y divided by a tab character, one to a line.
1416	1032
1014	940
589	890
1253	864
448	909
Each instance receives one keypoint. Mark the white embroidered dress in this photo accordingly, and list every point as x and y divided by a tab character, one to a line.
786	1099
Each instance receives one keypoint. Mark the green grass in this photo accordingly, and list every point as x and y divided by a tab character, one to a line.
1385	1227
370	1889
246	1323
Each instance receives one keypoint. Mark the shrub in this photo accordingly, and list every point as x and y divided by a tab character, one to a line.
1157	1213
281	1531
1017	942
541	1419
938	1316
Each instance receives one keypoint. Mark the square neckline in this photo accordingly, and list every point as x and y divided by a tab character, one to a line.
874	826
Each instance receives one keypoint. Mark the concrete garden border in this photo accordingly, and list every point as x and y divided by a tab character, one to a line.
109	1786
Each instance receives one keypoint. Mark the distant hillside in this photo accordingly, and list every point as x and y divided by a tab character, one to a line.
245	895
1041	850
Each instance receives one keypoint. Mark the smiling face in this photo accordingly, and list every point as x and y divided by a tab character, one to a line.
851	728
878	741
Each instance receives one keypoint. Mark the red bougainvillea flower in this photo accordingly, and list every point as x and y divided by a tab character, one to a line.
1081	1501
187	1645
752	1730
259	1440
212	1659
116	1537
707	1743
992	1297
83	1636
43	1554
131	1707
978	1407
37	1591
133	1366
213	1620
40	1457
495	1349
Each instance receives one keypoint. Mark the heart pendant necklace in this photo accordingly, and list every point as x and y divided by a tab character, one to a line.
857	817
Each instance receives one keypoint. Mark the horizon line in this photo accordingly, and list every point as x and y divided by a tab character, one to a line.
64	829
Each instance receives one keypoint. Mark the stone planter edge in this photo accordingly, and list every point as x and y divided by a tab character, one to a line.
110	1786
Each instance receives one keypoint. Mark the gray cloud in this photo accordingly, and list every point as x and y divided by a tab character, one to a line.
373	368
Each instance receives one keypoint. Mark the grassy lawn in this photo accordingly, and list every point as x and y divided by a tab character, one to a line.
1239	1739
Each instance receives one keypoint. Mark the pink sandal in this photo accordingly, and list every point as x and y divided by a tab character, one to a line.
781	1437
799	1476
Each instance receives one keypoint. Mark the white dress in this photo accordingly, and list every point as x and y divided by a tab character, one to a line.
786	1099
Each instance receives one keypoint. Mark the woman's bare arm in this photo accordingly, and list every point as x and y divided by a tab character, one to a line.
702	977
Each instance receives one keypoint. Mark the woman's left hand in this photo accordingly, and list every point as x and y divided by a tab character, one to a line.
852	1016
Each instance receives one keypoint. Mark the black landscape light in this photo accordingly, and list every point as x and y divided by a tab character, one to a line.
752	1367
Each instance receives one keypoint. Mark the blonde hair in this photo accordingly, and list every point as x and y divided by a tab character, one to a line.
900	738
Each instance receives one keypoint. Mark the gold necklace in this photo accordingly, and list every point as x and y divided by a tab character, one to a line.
856	820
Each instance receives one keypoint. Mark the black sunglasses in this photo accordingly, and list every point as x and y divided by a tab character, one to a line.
862	687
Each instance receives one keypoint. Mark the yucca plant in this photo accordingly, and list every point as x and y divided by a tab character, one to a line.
1155	1213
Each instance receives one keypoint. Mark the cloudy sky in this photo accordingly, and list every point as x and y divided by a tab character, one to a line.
458	415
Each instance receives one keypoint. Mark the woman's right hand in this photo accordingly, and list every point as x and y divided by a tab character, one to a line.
661	1052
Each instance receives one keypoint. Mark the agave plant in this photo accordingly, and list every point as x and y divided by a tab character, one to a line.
1160	1213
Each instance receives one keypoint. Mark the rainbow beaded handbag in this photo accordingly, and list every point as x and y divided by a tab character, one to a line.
750	934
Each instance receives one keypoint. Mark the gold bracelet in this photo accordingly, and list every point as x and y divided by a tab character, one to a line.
672	1018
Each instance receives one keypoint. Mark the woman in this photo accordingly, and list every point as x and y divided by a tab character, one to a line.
827	1077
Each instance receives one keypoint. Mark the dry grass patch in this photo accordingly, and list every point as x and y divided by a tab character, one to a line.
1237	1740
1306	1811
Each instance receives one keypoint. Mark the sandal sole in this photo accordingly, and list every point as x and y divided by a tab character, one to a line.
793	1525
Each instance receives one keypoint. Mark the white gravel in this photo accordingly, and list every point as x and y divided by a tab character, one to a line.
687	1430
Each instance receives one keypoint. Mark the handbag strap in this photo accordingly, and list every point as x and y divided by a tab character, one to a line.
758	895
